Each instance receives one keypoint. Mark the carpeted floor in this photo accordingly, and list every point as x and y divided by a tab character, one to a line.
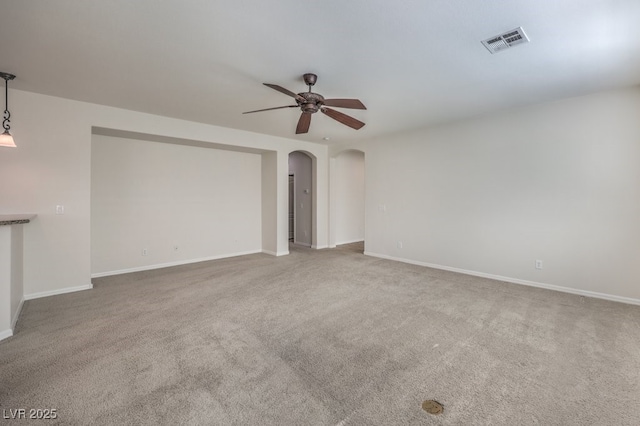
329	337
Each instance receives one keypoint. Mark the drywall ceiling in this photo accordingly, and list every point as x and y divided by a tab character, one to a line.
413	63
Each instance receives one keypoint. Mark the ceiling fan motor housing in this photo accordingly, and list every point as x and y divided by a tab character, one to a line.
313	102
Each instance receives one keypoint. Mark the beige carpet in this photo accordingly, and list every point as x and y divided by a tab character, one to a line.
328	337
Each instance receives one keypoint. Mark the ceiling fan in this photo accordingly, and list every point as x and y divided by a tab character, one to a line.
310	103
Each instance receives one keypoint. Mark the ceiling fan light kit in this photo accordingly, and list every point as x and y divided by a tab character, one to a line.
310	103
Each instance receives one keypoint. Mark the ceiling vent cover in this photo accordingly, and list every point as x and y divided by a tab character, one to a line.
506	40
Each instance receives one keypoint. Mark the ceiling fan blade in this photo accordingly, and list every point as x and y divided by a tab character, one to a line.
345	103
343	118
285	91
269	109
303	123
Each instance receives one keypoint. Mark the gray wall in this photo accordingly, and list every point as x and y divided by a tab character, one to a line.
557	182
176	202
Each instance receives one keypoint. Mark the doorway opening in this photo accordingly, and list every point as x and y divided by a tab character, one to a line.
292	223
300	198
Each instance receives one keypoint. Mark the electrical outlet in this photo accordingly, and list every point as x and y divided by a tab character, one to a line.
399	244
144	251
538	264
59	209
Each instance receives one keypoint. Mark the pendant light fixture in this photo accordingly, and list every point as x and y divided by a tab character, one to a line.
5	138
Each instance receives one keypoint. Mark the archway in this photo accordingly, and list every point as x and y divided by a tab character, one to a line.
301	199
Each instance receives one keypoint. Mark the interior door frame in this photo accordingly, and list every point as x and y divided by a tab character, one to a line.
292	208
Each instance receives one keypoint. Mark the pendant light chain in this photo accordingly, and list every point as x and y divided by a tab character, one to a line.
7	114
6	140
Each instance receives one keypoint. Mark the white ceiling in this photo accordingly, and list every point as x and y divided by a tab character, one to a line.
413	63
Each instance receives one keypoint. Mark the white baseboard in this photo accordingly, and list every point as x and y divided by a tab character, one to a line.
169	264
562	289
56	292
350	242
319	247
5	334
14	320
273	253
298	243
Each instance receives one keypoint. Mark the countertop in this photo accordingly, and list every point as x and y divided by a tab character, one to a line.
15	219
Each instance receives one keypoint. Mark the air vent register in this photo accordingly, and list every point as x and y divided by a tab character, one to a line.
506	40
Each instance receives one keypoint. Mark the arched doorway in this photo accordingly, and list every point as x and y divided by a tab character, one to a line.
301	199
